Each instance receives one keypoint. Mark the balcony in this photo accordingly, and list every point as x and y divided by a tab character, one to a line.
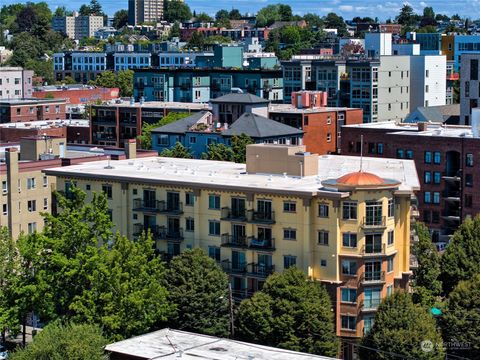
369	305
261	217
146	205
241	294
261	244
260	270
105	136
374	222
234	241
373	277
170	235
175	208
233	268
229	214
139	228
373	249
185	86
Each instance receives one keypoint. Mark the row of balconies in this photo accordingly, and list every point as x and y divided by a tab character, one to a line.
159	232
246	242
247	269
160	206
264	217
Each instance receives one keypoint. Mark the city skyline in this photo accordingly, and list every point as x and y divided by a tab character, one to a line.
346	8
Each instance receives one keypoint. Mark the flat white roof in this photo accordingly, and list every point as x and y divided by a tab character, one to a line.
46	124
287	108
161	105
232	176
175	344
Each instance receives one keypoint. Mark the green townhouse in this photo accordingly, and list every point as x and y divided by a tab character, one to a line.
199	85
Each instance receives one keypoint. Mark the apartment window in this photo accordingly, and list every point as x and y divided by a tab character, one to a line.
289	234
409	154
469	160
323	210
4	209
349	240
107	190
468	180
32	227
400	154
427	197
436	197
192	140
428	157
391	207
468	201
349	322
289	261
45	203
88	187
473	69
390	264
349	295
349	210
380	148
189	224
437	177
289	206
467	88
373	213
329	137
349	267
389	107
214	202
214	253
4	187
426	88
214	228
323	237
32	205
390	237
31	183
389	290
435	217
162	140
323	262
437	157
427	177
45	181
189	199
427	217
427	73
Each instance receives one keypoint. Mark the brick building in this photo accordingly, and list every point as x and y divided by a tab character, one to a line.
113	124
16	110
321	124
445	159
77	94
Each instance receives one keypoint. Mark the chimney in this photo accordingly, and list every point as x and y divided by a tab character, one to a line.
131	148
422	126
11	158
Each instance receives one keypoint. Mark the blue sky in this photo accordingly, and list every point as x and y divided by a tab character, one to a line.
346	8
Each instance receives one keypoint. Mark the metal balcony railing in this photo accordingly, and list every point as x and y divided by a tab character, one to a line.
146	205
233	267
373	249
369	304
261	244
230	214
372	277
234	241
261	217
260	270
173	208
374	222
171	235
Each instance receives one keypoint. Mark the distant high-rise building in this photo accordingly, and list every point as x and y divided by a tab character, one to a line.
143	11
77	27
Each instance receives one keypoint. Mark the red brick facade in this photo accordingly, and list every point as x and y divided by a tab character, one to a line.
24	111
80	96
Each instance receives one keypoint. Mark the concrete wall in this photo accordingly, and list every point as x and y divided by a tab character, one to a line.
436	81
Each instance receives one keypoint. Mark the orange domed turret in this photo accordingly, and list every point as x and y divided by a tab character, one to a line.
361	178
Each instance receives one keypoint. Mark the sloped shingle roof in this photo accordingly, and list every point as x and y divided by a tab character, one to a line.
240	99
257	126
449	114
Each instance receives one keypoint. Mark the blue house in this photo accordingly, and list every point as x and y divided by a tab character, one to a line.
198	131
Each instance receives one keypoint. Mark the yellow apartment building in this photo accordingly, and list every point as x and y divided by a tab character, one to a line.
346	228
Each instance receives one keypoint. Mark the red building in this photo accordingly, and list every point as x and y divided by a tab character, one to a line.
22	110
321	124
77	95
445	159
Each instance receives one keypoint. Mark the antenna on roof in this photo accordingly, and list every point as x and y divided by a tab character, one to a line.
361	153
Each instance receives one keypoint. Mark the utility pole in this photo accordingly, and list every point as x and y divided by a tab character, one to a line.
230	303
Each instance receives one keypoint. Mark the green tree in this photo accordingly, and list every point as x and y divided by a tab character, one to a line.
219	152
124	81
94	8
222	18
203	17
333	21
178	151
146	136
461	319
426	283
313	20
71	341
428	12
175	30
176	10
125	290
198	288
400	327
291	312
271	13
234	14
407	16
120	19
239	147
41	68
106	79
461	259
196	41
